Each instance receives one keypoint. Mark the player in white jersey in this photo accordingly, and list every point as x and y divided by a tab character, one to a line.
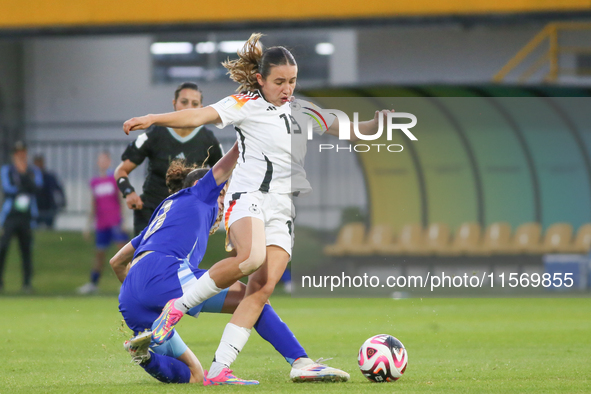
259	211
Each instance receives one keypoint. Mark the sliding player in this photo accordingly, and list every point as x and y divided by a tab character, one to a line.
259	210
167	255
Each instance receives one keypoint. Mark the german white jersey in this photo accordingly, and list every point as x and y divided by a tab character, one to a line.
272	141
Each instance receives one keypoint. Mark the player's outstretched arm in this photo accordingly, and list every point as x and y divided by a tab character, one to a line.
368	127
224	167
179	119
120	262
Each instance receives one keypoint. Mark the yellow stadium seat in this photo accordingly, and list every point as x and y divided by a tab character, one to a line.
558	238
436	239
527	239
410	242
466	240
582	243
350	236
380	234
496	240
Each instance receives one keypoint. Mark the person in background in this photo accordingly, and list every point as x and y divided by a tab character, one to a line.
20	183
161	145
51	198
106	215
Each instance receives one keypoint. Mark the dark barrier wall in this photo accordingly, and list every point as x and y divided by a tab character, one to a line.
484	154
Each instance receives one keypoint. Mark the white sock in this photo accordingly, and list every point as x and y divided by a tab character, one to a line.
233	340
203	289
215	370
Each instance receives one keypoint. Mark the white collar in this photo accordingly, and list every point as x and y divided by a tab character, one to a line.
186	138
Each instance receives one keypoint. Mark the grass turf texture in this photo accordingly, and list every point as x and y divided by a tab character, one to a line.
74	344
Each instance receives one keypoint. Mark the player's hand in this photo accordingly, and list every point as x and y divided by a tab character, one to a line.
134	201
140	123
86	235
383	113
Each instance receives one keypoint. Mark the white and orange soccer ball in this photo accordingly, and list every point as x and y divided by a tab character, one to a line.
382	358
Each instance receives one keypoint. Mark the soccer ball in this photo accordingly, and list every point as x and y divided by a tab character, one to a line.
382	358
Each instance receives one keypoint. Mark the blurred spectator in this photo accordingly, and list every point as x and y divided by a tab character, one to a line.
51	198
20	182
106	215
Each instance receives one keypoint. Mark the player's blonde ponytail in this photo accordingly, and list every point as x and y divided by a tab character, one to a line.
244	69
220	217
253	60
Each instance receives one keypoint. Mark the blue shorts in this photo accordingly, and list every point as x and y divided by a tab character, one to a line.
106	236
152	282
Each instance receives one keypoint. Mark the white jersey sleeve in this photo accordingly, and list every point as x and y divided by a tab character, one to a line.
231	110
306	112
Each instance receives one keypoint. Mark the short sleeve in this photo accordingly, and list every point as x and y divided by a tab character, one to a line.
139	149
320	119
231	110
207	190
135	242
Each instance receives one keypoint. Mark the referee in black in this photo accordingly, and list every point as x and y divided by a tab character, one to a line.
20	183
160	145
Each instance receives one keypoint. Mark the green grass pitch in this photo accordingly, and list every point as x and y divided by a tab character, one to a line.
57	342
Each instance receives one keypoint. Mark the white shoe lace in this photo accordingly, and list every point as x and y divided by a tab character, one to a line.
321	361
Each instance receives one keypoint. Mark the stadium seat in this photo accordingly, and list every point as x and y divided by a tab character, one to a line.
558	238
350	236
466	240
436	240
380	234
527	239
496	240
582	243
410	242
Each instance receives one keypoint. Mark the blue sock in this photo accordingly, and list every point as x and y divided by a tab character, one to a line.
273	330
286	277
167	369
94	277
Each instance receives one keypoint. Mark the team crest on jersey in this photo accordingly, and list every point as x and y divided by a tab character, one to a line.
181	156
254	209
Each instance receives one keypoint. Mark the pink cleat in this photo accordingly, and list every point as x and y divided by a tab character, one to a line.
163	326
226	378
